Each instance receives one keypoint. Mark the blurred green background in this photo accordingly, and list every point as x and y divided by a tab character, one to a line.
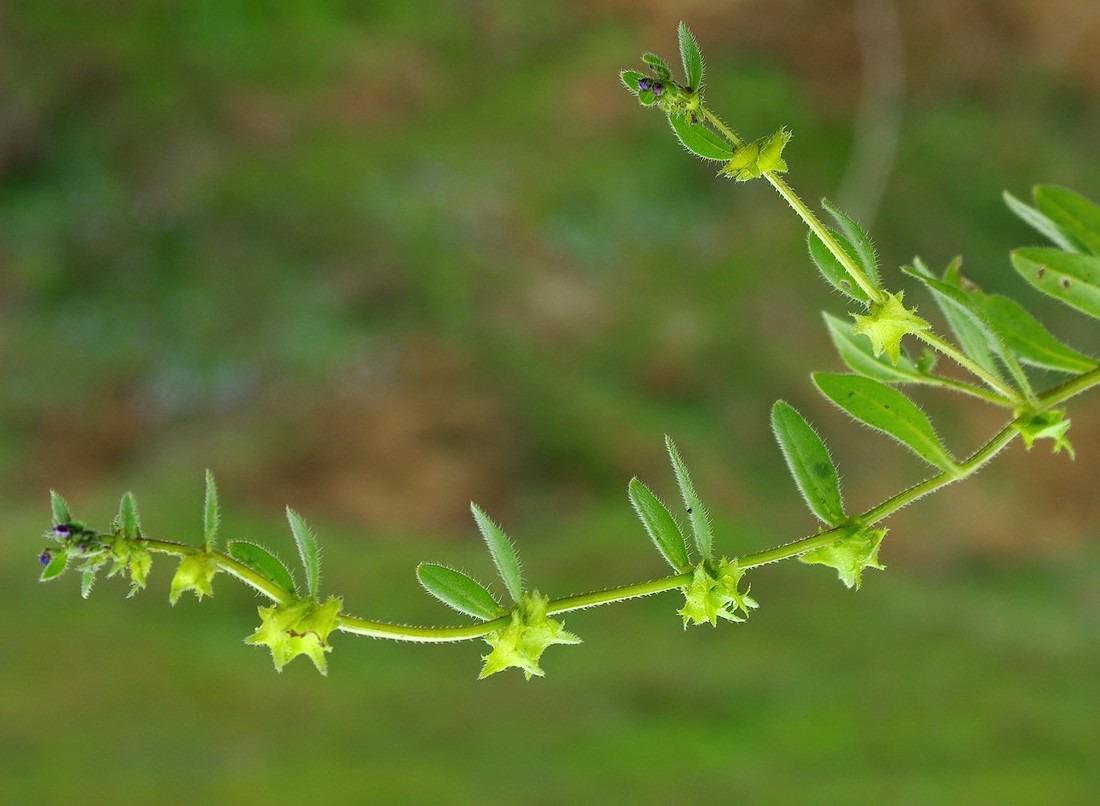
376	259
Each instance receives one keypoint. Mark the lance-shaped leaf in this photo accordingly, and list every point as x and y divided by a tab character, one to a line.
262	562
211	513
658	65
809	462
1072	279
699	139
659	524
1041	224
966	316
458	591
859	240
888	410
1027	338
1072	212
56	562
308	550
856	351
691	57
504	553
59	509
126	522
832	269
697	513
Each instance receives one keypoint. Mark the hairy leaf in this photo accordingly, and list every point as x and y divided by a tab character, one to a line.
458	591
127	522
888	410
859	239
1072	279
691	57
832	269
308	550
1027	338
1041	224
59	509
809	462
699	139
658	65
659	524
503	552
697	513
262	562
1072	212
211	513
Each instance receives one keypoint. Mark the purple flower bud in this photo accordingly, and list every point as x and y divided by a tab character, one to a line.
657	88
62	530
644	83
45	557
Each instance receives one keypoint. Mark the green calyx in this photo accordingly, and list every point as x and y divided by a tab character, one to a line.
195	573
714	595
522	642
132	556
301	627
759	157
854	551
887	323
1051	425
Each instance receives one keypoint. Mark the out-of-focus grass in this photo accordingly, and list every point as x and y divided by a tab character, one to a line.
215	224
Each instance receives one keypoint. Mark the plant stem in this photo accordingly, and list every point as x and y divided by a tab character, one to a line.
948	349
404	632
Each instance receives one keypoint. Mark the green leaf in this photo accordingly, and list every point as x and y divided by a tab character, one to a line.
308	550
59	559
126	522
658	65
1040	223
809	462
862	247
659	524
458	591
1072	212
1072	279
211	513
262	562
503	552
59	509
858	354
699	139
1026	337
630	79
691	57
697	513
887	410
832	269
973	335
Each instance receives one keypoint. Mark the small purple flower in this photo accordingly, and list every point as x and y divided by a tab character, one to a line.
644	84
62	530
45	557
657	88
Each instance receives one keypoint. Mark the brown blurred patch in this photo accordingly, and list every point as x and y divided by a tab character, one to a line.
407	451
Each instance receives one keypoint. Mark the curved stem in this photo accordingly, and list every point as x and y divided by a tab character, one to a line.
418	634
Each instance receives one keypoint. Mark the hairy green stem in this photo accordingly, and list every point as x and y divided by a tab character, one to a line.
418	634
959	357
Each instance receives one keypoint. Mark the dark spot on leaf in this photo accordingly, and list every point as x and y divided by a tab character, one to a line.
690	512
1041	272
1065	282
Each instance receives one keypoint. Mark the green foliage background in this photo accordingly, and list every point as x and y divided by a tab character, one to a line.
374	260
